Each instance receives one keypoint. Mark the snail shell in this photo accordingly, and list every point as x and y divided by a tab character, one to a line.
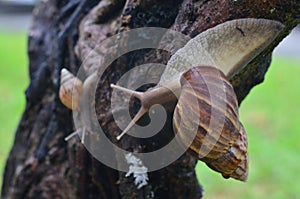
70	90
224	148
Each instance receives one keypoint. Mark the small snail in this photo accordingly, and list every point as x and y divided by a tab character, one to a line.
227	47
72	92
70	89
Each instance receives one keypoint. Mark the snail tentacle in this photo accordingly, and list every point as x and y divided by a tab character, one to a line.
157	95
136	118
126	90
73	134
143	110
83	135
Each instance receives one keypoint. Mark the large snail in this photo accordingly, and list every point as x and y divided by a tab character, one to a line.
200	70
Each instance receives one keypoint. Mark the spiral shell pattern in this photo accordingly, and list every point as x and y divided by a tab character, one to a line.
222	148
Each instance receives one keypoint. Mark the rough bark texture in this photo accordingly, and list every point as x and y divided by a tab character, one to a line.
41	164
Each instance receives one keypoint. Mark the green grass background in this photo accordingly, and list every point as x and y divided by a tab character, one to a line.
13	82
270	115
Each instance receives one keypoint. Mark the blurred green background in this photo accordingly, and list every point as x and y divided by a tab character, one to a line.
14	79
270	114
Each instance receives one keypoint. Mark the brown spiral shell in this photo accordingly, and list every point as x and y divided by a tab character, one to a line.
70	89
223	148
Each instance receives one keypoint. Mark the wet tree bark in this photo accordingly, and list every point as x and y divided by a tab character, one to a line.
41	164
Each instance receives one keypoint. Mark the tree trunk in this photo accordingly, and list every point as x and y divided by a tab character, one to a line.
41	164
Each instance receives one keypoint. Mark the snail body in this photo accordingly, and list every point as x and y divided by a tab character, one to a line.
229	46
